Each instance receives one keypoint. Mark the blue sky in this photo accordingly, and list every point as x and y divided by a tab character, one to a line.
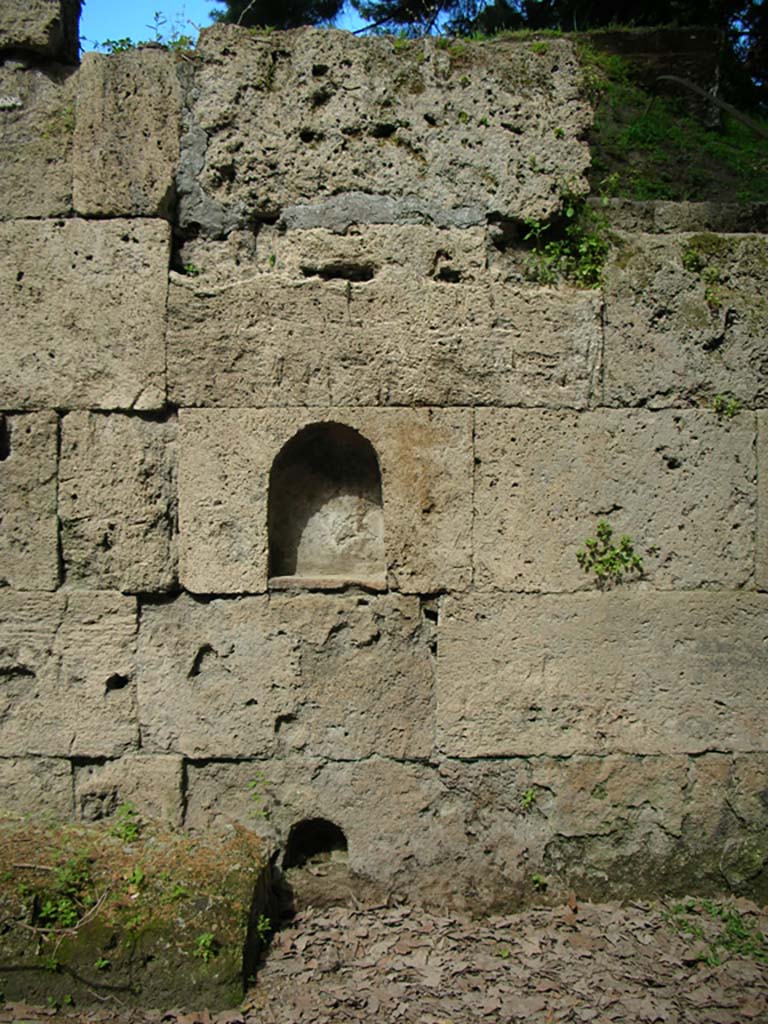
114	19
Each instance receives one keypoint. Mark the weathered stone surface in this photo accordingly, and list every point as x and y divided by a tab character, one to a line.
681	484
389	811
685	320
82	306
29	554
126	145
117	502
403	338
151	784
37	118
665	217
279	120
36	785
761	559
66	662
322	674
47	27
425	456
613	672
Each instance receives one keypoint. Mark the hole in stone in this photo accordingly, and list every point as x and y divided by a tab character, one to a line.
116	682
309	135
325	514
283	720
314	841
341	271
5	439
197	664
318	70
383	131
448	274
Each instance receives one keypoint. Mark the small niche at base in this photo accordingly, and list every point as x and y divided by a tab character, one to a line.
314	841
5	439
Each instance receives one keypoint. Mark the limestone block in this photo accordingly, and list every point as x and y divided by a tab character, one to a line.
66	665
126	144
685	320
152	784
388	811
599	673
225	457
82	307
29	555
117	502
37	119
484	126
344	676
398	339
761	561
47	27
36	785
681	484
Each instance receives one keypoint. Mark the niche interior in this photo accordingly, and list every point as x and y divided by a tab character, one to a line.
325	516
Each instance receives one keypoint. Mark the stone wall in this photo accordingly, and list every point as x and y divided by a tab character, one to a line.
204	256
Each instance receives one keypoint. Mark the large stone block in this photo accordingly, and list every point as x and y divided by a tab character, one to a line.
425	457
318	673
761	561
117	502
39	786
613	672
82	306
685	320
403	338
29	531
66	667
681	484
390	812
279	120
151	784
126	145
37	119
47	27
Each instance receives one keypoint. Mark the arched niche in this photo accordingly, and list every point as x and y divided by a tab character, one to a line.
325	515
312	841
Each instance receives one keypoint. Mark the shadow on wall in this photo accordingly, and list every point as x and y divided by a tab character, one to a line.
326	519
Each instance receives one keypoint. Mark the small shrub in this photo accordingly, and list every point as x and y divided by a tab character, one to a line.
609	562
206	947
578	256
127	823
726	406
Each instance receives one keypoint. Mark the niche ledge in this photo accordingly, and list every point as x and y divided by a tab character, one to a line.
339	582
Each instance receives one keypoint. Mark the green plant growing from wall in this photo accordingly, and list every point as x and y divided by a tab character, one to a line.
578	255
127	823
726	406
609	562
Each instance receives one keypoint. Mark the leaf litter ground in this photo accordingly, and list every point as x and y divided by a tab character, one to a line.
682	962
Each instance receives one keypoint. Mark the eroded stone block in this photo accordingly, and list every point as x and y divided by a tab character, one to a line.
401	338
151	784
761	561
37	119
29	556
425	456
485	127
126	144
685	320
322	674
597	673
35	785
66	668
681	484
117	502
47	27
82	306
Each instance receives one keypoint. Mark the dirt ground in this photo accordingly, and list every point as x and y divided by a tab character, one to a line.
680	962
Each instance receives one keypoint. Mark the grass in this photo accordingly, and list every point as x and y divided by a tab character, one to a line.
721	929
647	146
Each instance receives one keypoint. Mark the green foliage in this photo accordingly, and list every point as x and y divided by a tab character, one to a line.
257	786
263	928
127	823
733	933
206	947
726	406
609	562
578	255
68	898
528	800
192	270
539	883
101	963
650	147
170	36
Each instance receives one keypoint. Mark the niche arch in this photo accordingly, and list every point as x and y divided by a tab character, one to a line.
325	515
